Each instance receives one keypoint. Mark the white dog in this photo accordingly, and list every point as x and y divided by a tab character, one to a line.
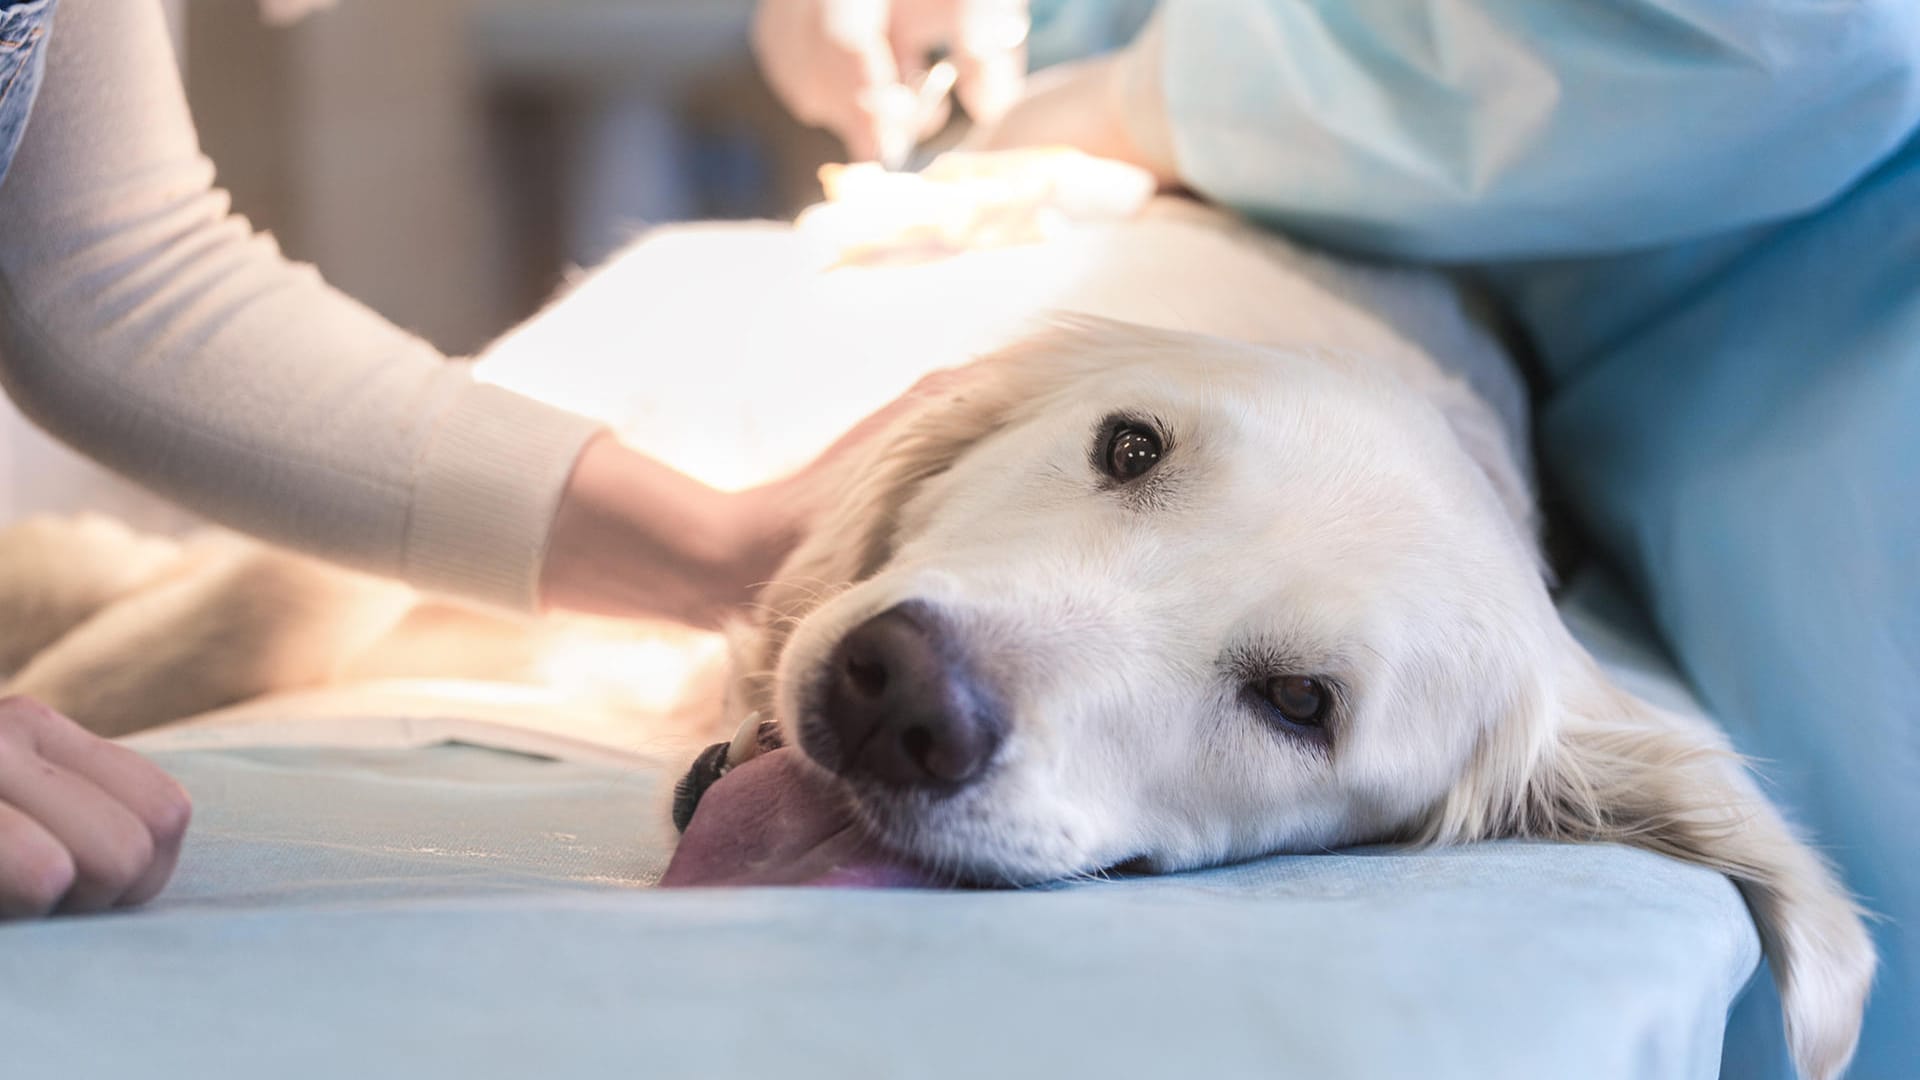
1237	558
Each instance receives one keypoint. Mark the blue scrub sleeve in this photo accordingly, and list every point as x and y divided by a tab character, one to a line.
1066	30
1749	453
1467	130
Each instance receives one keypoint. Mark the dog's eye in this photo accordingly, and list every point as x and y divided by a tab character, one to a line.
1301	699
1132	450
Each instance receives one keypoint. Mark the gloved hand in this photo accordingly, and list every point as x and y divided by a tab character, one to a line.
1095	106
844	64
85	824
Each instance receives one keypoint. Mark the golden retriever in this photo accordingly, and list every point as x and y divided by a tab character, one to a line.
1236	557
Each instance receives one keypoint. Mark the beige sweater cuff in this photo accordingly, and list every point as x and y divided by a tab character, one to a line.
487	488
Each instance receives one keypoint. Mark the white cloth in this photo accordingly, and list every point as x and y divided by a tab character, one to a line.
146	325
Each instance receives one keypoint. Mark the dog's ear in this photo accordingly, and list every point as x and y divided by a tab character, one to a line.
1603	766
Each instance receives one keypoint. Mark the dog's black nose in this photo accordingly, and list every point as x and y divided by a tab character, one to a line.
904	706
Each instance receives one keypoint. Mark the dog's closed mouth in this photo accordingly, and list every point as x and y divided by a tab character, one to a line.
779	820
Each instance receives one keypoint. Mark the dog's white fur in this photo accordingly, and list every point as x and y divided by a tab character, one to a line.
1332	502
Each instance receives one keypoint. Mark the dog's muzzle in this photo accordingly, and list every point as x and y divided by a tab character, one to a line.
901	707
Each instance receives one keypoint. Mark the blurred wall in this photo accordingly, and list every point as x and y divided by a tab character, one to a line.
357	136
447	161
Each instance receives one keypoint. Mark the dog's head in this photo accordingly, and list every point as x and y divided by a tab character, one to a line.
1137	597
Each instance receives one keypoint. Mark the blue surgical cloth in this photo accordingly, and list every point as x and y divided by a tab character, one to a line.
1705	216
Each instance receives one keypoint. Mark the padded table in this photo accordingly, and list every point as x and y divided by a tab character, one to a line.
461	910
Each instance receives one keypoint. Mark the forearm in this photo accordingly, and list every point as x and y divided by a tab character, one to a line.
153	330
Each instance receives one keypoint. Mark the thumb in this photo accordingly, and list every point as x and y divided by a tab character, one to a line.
989	53
869	109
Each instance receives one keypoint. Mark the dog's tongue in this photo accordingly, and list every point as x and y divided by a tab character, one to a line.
777	820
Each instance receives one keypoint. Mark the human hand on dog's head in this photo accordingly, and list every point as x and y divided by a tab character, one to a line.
635	538
773	517
843	64
85	824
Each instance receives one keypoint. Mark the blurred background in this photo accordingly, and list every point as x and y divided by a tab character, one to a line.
447	161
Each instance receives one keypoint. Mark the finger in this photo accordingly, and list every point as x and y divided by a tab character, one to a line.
848	92
155	798
817	59
111	848
847	74
931	385
802	488
989	52
933	122
159	871
990	85
920	28
35	870
861	129
878	109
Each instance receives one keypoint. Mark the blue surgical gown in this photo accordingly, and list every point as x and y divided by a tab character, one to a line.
1705	214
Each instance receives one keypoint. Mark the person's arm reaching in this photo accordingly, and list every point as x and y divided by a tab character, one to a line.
1484	129
143	323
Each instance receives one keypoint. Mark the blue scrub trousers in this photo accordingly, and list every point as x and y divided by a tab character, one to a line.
1739	425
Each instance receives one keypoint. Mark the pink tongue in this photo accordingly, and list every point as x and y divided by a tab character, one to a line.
778	820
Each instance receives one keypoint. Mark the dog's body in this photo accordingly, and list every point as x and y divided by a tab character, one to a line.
1314	616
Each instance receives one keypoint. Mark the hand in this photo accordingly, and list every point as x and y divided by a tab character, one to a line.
839	64
85	824
634	537
1085	105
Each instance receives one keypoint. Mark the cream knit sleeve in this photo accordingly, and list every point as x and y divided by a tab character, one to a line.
152	329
